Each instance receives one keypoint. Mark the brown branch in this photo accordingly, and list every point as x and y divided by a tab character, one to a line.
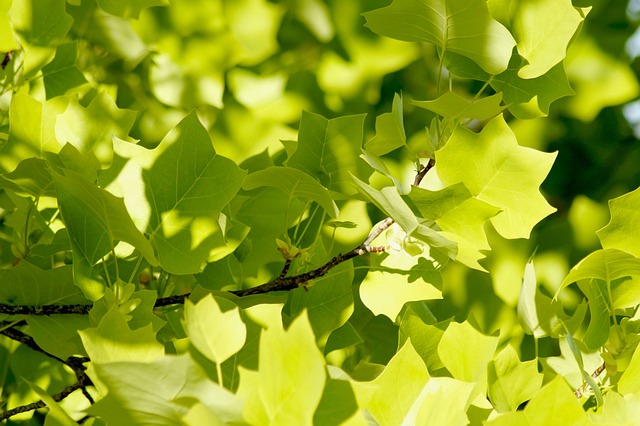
73	362
582	389
423	171
44	309
41	404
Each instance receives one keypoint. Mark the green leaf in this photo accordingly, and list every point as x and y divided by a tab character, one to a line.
287	387
543	30
31	130
605	265
215	333
600	309
443	401
512	382
379	166
31	177
56	416
187	186
531	98
387	287
460	26
69	158
391	203
509	177
58	334
555	404
461	217
527	309
577	354
35	286
112	341
425	335
622	230
96	220
469	365
628	383
160	392
93	127
62	74
7	39
328	149
329	301
452	105
129	8
541	315
398	386
600	78
337	405
41	22
295	183
390	134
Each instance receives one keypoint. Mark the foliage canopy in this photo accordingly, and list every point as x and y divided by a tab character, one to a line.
230	212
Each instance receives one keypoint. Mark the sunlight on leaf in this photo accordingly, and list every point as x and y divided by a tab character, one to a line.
215	333
328	149
624	227
461	26
509	177
543	29
291	375
295	183
187	182
112	340
398	386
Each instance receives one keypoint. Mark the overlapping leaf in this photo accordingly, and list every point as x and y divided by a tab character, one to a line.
390	134
328	149
96	220
295	183
460	215
543	30
215	333
62	73
187	187
32	130
41	22
288	385
452	105
464	27
496	170
623	229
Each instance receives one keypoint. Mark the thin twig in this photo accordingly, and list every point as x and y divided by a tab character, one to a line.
41	404
582	389
73	362
423	171
285	268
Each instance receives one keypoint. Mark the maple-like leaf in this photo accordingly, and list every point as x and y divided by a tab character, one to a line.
495	169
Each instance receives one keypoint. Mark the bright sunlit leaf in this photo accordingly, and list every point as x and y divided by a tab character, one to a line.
509	177
460	26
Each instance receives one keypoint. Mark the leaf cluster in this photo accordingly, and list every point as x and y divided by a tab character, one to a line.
182	241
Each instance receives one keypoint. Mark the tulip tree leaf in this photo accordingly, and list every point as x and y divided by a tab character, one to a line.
187	187
460	215
96	220
452	105
508	178
624	227
295	183
390	133
543	30
328	149
464	27
62	73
